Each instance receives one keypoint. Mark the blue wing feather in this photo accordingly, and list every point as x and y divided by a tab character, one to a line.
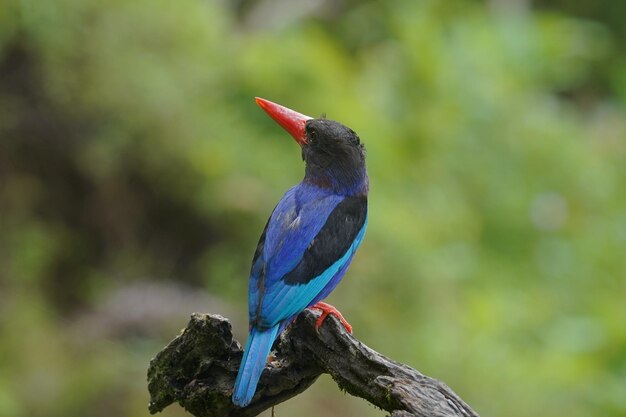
283	301
296	220
304	251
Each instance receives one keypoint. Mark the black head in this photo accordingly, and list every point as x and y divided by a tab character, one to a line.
329	142
334	155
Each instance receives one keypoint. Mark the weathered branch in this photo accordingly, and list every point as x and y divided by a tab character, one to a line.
198	369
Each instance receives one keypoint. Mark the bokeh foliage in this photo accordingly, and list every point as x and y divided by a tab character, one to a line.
136	174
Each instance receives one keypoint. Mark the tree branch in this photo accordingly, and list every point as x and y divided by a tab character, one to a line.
198	370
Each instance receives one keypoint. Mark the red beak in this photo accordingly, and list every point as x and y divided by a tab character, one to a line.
292	121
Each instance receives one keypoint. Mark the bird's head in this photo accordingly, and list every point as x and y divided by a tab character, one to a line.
334	154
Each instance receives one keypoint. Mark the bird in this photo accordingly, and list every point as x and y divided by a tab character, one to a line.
309	240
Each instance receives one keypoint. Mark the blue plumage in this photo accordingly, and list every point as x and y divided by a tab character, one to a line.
252	364
296	220
309	240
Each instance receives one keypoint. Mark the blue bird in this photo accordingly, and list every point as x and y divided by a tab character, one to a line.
309	239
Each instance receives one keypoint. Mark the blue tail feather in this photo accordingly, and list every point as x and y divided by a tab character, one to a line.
252	364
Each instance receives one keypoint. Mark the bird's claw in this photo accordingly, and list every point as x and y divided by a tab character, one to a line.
327	309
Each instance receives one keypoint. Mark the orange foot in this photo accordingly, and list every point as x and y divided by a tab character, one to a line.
327	309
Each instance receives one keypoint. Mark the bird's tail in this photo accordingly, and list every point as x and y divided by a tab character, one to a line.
254	359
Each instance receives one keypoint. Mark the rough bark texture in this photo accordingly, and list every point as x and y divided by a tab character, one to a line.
198	370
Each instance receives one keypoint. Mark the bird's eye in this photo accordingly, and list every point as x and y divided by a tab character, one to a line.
311	133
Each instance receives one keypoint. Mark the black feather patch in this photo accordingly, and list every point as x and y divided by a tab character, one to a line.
332	242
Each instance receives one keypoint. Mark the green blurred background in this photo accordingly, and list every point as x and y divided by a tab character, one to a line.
136	174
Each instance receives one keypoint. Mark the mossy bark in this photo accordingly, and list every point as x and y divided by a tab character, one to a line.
198	370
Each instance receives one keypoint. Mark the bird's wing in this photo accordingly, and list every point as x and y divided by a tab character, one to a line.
307	240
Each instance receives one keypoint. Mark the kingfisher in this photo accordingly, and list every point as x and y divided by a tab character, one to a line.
309	240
